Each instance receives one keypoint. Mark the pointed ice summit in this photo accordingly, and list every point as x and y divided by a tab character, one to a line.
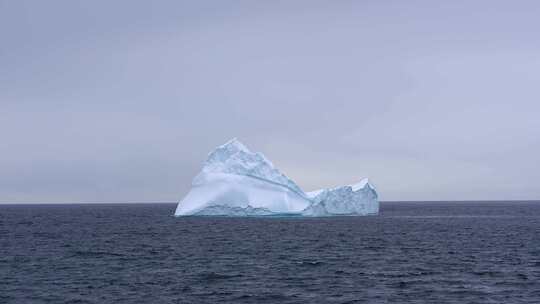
237	182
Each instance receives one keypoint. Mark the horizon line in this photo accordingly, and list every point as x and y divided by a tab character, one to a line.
162	202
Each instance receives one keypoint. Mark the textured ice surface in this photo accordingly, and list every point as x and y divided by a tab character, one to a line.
237	182
345	200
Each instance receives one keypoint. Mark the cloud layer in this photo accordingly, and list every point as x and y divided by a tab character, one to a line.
120	102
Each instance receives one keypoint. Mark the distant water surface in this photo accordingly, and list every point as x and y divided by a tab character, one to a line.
424	252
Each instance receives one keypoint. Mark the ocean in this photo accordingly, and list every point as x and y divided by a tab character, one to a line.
413	252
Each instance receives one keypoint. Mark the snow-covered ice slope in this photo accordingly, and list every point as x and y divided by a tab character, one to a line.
237	182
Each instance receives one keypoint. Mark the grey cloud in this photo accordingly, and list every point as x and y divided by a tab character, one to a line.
122	101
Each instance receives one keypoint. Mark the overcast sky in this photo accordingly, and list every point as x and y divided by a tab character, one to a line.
120	101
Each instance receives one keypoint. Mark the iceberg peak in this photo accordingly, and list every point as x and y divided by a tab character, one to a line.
226	151
235	158
234	145
361	184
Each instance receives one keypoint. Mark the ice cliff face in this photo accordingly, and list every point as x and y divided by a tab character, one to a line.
237	182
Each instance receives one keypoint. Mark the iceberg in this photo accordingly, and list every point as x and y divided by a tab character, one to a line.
237	182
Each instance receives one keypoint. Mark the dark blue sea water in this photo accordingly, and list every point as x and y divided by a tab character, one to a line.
432	252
